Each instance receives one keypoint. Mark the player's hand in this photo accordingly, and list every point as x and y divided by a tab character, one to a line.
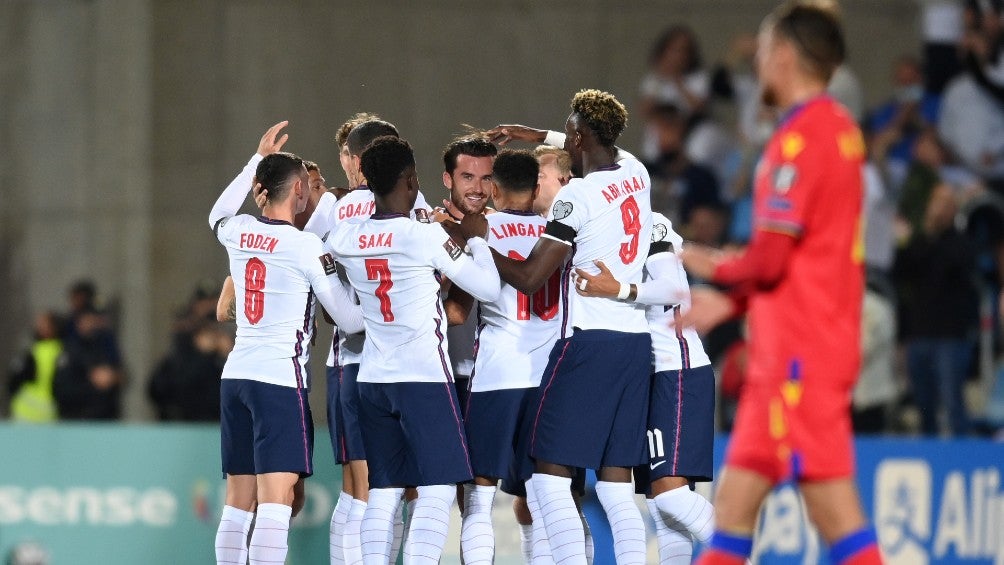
601	285
449	211
260	195
699	261
269	144
708	309
474	225
503	134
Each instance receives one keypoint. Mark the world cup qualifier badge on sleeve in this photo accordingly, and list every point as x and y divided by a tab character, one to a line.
452	248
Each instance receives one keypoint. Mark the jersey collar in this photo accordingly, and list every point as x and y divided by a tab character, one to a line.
797	108
388	216
272	222
518	212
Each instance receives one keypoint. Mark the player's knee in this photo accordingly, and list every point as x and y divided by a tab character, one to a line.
521	511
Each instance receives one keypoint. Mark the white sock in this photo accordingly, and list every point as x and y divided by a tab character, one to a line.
271	530
376	532
427	534
526	542
675	545
590	548
395	544
561	519
351	544
541	548
625	521
690	509
337	527
232	536
477	538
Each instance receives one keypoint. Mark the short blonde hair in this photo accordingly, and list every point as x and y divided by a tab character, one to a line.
343	131
602	112
563	159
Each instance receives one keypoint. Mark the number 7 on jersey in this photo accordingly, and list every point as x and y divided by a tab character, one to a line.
378	269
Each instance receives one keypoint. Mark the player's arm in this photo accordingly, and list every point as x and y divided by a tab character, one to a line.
337	300
458	305
663	287
505	133
762	265
233	195
474	273
226	306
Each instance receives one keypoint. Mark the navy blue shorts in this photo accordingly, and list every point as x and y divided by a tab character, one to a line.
492	420
351	436
265	428
594	399
334	411
681	426
414	434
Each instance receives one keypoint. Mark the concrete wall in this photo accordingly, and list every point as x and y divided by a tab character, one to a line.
120	120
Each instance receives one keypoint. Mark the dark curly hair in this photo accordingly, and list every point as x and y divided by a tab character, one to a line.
602	113
383	162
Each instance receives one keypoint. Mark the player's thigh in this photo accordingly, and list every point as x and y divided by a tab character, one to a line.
492	424
738	497
352	434
283	429
242	492
834	507
390	462
760	433
822	438
430	419
332	408
681	424
236	429
632	379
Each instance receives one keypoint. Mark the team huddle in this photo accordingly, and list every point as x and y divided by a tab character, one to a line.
514	347
551	326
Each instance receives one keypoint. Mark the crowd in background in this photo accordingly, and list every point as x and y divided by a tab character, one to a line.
933	237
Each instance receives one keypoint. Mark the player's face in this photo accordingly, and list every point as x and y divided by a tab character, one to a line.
302	192
572	138
345	160
317	185
470	184
550	181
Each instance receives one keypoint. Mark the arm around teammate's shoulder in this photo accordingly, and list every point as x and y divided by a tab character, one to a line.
319	266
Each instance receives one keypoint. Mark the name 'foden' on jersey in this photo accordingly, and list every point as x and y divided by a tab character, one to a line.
258	241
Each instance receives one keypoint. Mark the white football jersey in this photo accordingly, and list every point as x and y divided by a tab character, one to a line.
347	349
673	346
274	266
515	332
605	216
394	263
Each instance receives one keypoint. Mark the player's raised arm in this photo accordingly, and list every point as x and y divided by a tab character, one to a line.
506	133
233	195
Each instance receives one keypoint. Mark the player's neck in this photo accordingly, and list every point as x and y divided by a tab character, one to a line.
390	205
280	212
513	205
597	158
800	92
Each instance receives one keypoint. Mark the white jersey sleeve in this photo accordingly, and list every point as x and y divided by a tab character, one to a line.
337	300
673	346
232	197
319	223
606	217
515	332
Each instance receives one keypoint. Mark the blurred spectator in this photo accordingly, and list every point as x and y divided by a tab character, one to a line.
707	224
32	372
201	308
971	124
895	125
679	185
675	77
82	299
185	385
942	31
88	378
941	312
880	239
876	390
